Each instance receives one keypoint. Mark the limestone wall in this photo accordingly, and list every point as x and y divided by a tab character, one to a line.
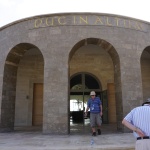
108	46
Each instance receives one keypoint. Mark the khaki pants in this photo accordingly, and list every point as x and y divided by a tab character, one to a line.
143	144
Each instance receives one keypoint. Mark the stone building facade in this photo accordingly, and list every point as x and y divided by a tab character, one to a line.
49	58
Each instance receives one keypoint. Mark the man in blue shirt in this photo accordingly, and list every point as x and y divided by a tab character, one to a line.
138	120
95	106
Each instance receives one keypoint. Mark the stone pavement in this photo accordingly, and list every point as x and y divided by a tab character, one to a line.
38	141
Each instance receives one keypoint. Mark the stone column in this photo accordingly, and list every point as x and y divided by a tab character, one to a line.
131	83
56	101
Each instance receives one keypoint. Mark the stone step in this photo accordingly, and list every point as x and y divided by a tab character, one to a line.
91	148
39	141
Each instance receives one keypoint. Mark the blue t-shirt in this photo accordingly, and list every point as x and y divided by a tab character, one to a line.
94	105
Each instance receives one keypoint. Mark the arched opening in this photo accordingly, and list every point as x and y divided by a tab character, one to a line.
23	74
99	59
145	72
80	86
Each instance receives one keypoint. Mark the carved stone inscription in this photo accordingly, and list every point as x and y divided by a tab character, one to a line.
89	20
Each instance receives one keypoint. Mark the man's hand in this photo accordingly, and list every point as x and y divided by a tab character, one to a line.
133	128
101	113
139	132
85	114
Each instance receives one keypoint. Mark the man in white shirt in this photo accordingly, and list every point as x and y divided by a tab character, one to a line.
138	120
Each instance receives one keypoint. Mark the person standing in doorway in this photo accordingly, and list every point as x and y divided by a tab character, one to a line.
138	120
95	105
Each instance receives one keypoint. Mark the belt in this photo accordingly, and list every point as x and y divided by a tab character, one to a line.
144	137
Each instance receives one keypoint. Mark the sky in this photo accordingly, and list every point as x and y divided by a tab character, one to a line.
13	10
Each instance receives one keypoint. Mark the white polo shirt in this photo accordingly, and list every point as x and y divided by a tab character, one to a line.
140	118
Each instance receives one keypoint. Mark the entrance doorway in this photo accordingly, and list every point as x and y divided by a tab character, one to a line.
80	86
37	114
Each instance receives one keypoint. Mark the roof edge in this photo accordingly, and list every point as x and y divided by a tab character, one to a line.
70	13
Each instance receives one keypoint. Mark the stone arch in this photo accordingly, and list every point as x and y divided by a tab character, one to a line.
117	73
9	84
145	71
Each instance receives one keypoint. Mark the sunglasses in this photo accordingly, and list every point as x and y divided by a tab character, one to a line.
92	95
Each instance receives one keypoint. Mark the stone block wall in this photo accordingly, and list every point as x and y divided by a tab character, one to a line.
109	46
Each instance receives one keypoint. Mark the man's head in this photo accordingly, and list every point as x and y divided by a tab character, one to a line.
147	101
92	93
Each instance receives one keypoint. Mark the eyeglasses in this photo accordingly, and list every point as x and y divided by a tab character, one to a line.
92	95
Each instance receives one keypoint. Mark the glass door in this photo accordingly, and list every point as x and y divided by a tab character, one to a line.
80	86
76	112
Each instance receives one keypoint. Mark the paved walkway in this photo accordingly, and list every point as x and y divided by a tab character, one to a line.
38	141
